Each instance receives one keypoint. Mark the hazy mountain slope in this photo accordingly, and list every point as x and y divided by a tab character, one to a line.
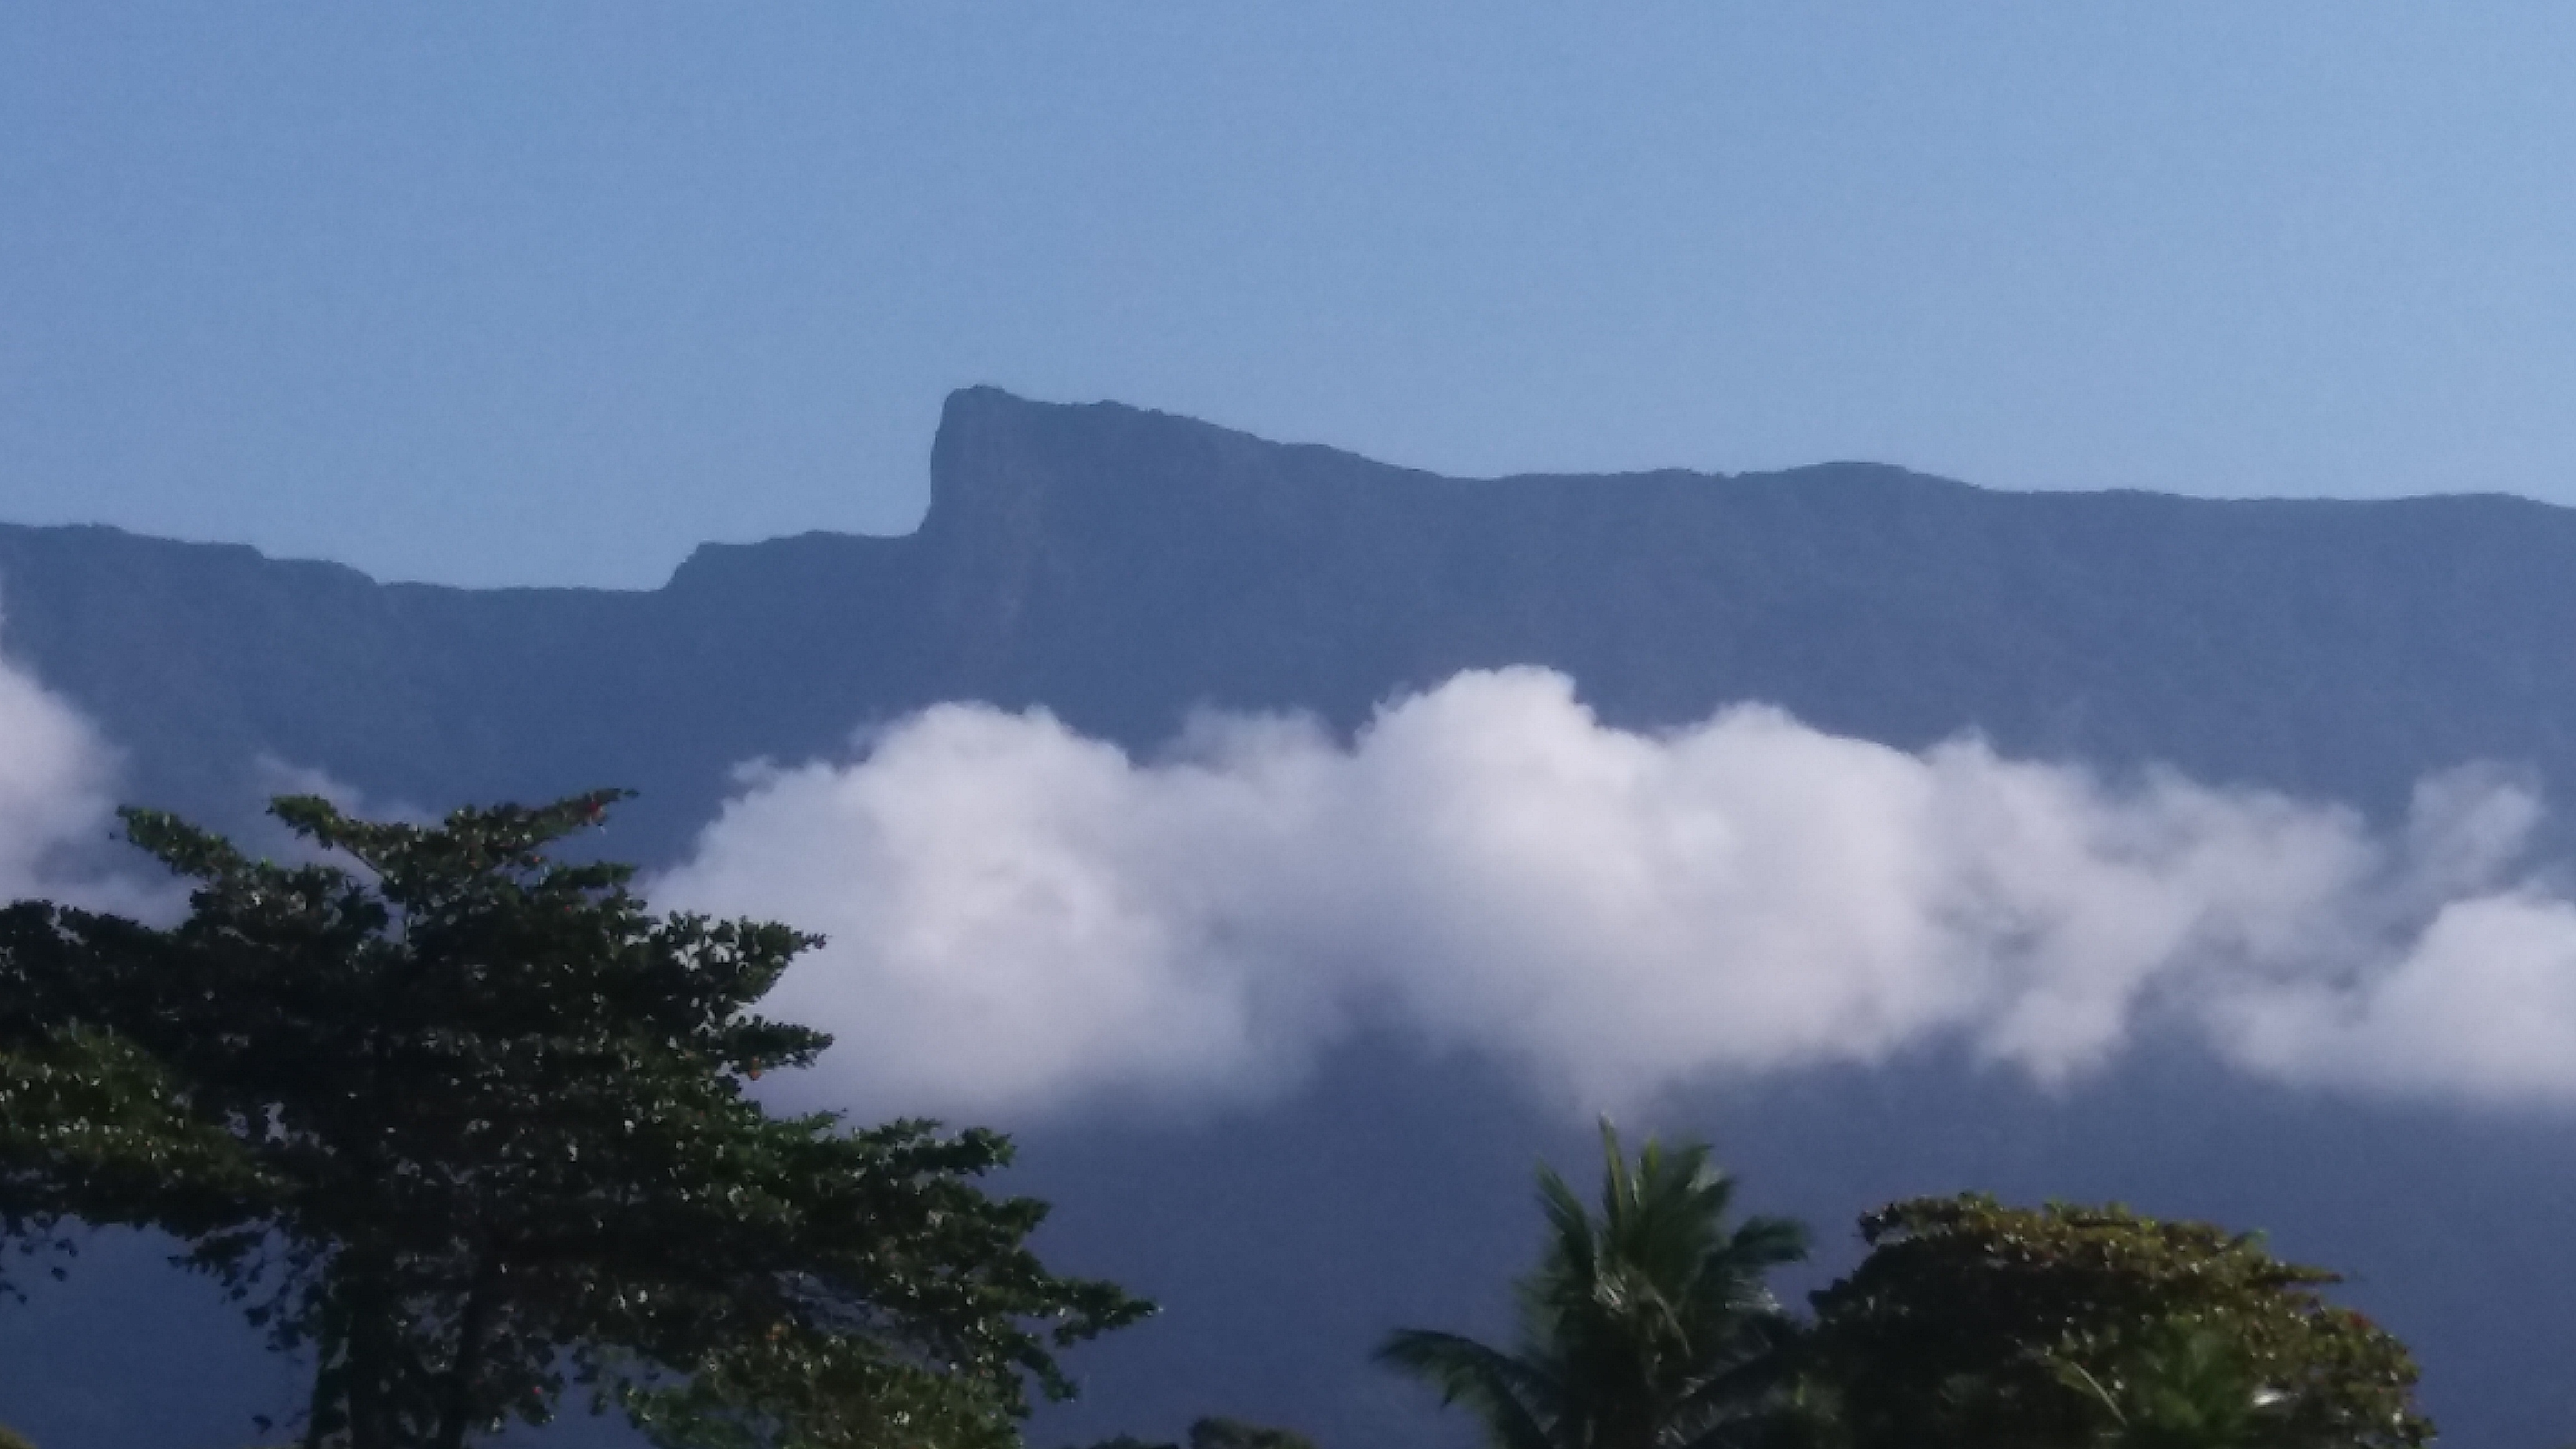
1122	567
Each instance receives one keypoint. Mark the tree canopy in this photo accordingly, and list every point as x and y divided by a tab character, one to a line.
463	1121
1212	1432
466	1122
1973	1325
1646	1326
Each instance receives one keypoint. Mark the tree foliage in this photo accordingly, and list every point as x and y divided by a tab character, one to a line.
1219	1432
1646	1325
1975	1324
2180	1386
465	1122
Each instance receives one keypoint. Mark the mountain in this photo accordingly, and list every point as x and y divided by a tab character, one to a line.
1123	568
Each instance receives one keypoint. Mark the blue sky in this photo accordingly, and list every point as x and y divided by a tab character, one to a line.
547	293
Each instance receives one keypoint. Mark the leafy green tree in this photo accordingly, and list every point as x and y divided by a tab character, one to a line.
1645	1327
1217	1432
1975	1324
92	1126
466	1123
2180	1386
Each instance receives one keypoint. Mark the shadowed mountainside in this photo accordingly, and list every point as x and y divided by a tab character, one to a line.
1120	567
1123	567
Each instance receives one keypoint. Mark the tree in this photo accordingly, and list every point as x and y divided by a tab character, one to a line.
467	1123
2180	1386
1218	1432
1646	1327
1212	1432
1975	1324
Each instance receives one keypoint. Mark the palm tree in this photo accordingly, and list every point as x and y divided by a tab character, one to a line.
1647	1327
2183	1387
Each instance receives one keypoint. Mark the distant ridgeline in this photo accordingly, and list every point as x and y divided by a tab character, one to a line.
1122	567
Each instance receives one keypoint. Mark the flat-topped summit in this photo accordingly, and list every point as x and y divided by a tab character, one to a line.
1122	568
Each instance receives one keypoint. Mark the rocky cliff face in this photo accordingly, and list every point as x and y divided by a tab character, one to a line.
1122	568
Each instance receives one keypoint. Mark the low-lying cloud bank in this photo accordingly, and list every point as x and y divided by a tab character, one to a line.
57	807
1022	919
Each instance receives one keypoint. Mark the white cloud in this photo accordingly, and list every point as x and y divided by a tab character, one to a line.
56	807
265	837
1023	919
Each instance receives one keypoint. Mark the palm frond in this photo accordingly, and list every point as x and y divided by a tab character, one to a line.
1646	1321
1510	1396
1570	1242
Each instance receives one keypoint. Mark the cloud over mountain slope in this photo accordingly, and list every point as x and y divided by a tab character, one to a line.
57	779
1024	920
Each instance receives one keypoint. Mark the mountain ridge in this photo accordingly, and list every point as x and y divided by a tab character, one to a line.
1123	568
